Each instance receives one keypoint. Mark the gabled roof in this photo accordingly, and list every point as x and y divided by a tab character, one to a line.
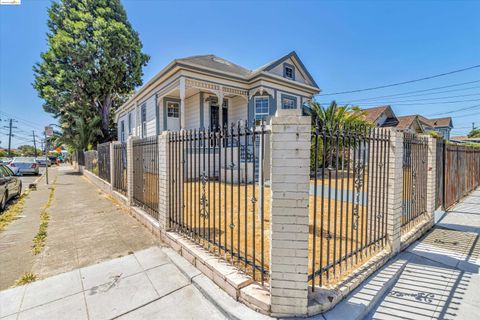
405	122
442	122
293	54
214	62
372	114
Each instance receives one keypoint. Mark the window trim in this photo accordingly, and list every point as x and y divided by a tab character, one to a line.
290	66
287	96
122	131
143	119
129	123
177	107
255	107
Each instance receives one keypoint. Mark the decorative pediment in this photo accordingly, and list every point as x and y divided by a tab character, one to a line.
262	91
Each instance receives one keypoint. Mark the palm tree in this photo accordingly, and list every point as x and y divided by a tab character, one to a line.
80	134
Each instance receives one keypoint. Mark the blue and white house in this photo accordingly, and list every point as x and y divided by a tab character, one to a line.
207	91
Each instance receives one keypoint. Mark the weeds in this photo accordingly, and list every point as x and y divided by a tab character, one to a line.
27	277
12	212
39	239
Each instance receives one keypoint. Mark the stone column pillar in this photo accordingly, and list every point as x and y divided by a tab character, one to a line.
289	202
395	188
130	159
112	165
431	177
163	201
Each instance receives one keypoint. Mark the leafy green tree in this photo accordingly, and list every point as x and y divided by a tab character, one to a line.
28	150
93	62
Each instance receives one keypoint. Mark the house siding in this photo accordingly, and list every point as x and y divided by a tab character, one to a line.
237	109
192	112
151	126
278	70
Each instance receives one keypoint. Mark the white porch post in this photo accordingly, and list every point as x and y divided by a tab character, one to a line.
182	103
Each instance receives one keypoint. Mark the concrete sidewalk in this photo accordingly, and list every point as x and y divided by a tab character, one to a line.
437	277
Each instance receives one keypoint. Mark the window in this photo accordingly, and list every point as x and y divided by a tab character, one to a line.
261	109
289	71
130	123
173	109
122	131
143	120
289	102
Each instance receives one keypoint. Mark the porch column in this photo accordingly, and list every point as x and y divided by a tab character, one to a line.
182	103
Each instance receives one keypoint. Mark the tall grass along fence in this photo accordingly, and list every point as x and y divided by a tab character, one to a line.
146	174
218	196
415	169
462	172
348	199
91	161
119	182
103	153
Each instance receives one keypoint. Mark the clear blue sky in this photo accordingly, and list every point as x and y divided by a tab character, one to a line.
345	45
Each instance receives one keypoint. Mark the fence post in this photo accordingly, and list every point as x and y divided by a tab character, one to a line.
130	169
112	165
289	213
163	195
431	177
395	191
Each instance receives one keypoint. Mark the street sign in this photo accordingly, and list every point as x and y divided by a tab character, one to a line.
49	131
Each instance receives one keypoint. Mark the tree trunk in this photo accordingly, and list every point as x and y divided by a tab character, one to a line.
105	115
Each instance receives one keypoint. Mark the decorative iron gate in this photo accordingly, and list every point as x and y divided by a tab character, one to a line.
103	151
415	170
217	193
120	167
146	174
348	202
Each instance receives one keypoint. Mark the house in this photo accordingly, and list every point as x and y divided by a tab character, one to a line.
464	140
385	117
207	91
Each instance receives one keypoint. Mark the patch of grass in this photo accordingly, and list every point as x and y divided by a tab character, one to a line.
39	239
13	211
27	277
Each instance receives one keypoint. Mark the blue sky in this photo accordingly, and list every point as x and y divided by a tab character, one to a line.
346	45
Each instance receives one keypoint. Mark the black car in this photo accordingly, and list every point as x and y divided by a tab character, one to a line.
10	186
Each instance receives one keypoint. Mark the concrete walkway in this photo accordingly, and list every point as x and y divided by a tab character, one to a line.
437	277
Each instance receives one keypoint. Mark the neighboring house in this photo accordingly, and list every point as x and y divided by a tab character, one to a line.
464	139
209	92
385	117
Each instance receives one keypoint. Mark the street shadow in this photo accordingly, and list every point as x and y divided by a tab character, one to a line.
73	173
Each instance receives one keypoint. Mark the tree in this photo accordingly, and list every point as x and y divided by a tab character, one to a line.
81	135
329	121
28	150
475	133
94	61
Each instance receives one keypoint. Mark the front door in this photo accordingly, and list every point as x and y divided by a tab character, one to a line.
214	118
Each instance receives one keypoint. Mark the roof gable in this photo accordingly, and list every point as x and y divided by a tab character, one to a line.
291	57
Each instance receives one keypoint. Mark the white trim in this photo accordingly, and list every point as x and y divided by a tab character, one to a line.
255	106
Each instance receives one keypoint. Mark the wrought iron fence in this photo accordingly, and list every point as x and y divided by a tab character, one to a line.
146	175
103	153
415	169
218	195
348	199
119	182
440	174
462	172
91	161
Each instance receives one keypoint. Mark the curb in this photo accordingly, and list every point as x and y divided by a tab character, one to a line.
231	308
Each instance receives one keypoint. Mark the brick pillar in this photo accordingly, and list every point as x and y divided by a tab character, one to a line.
395	189
130	160
112	165
163	200
289	202
431	177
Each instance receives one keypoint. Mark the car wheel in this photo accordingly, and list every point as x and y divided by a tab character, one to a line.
3	204
19	193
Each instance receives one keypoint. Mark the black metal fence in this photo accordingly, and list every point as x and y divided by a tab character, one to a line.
348	199
146	174
103	153
415	170
119	182
218	196
91	161
462	172
440	174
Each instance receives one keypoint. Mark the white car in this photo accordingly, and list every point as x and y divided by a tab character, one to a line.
25	165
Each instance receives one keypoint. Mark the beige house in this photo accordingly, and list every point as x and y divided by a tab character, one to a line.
209	92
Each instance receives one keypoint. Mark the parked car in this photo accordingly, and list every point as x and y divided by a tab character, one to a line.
42	162
5	160
25	165
10	185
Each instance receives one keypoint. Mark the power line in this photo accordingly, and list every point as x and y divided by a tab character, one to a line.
370	104
455	110
411	100
402	83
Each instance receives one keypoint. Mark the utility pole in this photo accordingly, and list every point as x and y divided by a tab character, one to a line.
10	127
34	143
46	158
473	125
